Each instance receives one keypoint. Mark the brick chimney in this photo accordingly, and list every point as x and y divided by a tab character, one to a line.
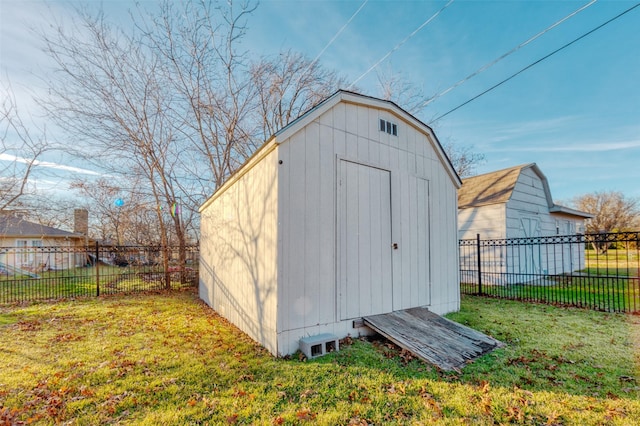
81	221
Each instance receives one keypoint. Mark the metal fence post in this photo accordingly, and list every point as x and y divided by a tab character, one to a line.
479	265
97	269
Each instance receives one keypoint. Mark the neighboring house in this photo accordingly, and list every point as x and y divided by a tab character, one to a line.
29	246
347	212
517	203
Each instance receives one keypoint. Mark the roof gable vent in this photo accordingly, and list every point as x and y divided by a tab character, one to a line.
389	127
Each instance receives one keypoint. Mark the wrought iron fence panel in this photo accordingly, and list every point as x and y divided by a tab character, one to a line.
32	273
597	271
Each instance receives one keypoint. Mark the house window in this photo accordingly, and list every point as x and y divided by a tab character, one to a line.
22	253
27	251
389	127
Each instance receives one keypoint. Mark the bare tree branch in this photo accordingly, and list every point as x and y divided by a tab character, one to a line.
289	85
613	211
19	151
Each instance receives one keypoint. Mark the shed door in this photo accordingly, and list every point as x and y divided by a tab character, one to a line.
363	240
530	255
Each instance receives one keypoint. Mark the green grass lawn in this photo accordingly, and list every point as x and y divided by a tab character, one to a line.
166	358
81	282
614	294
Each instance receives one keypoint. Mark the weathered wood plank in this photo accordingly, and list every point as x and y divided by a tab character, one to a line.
478	338
407	336
405	340
439	338
432	338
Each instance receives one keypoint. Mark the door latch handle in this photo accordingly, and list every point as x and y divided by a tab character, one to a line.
395	246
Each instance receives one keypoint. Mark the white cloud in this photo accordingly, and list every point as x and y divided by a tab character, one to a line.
48	164
506	132
559	146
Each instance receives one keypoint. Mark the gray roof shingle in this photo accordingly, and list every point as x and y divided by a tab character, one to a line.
489	188
11	226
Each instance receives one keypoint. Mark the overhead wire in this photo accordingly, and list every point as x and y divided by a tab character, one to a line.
495	61
397	46
536	62
338	33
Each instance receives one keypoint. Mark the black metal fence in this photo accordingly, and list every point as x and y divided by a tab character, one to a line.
597	271
32	272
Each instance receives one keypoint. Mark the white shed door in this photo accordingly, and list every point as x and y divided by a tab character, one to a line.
530	255
364	240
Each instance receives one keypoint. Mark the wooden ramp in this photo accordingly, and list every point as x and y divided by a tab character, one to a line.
437	340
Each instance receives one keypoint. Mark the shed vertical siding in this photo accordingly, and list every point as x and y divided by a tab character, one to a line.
528	201
238	276
445	265
307	194
527	215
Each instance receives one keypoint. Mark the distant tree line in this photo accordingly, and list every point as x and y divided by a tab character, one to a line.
613	212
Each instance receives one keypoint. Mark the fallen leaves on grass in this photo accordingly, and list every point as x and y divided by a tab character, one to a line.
305	414
307	393
430	402
614	413
485	400
33	325
66	337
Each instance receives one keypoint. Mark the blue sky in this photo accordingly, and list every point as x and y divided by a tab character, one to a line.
575	114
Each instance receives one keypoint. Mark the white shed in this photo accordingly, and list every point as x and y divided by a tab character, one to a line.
516	203
349	211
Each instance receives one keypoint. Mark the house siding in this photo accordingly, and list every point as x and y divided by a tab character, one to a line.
43	256
488	221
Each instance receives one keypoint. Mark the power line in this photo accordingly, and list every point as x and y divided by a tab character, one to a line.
536	62
338	33
518	47
425	23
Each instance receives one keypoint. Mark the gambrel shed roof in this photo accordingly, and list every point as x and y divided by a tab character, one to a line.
497	188
315	112
357	98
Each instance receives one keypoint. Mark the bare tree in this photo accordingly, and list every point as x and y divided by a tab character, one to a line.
196	45
613	211
170	99
19	151
287	86
110	96
463	159
118	215
51	210
394	87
